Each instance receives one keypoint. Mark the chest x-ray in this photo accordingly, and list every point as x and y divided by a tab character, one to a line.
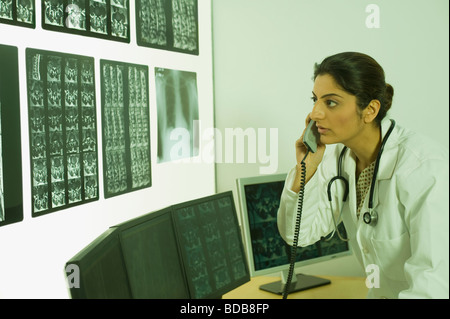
177	106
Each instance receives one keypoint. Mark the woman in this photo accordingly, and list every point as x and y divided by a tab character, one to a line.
407	245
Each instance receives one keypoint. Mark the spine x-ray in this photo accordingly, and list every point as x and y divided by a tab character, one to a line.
126	127
63	131
18	12
168	24
107	19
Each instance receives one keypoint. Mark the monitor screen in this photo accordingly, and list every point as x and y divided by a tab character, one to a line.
98	270
267	252
211	245
150	252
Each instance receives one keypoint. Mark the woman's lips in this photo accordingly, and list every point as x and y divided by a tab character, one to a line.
322	130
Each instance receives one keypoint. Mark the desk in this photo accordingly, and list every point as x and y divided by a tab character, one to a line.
340	288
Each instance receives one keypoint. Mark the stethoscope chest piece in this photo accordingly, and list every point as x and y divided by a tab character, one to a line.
370	218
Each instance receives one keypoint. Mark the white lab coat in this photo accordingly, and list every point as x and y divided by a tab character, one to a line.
410	243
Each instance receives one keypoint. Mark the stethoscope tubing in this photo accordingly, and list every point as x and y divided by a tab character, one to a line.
369	216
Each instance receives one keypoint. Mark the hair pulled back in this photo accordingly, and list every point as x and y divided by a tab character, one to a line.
361	76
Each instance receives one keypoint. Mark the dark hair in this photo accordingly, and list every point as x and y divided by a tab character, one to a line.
359	75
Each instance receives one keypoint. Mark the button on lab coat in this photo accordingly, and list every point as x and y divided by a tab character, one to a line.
406	255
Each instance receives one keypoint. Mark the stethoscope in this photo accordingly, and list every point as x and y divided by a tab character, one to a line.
370	217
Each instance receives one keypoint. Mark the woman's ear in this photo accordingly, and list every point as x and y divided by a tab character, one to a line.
371	111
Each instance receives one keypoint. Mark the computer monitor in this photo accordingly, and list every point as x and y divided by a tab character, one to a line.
98	270
267	252
190	250
211	245
151	255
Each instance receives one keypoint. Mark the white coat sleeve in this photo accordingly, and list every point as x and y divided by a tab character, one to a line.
424	195
316	218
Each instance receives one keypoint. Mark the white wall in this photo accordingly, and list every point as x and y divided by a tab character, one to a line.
264	52
33	252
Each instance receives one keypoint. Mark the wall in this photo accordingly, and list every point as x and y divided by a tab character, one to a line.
33	252
264	52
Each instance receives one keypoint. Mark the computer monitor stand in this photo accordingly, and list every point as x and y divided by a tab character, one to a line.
299	282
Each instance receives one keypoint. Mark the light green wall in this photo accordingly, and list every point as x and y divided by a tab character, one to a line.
264	52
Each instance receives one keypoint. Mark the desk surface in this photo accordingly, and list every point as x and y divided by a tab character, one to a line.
339	288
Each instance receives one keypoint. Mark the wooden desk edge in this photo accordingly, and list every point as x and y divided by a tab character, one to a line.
340	288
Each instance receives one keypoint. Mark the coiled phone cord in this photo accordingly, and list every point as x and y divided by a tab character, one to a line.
297	227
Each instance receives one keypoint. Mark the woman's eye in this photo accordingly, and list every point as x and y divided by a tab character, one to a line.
331	103
314	99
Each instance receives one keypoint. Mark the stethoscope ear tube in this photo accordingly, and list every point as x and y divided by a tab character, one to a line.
371	217
345	189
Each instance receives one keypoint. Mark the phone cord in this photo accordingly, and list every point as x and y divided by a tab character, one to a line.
297	227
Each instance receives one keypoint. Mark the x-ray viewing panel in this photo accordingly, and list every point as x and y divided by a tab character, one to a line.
63	130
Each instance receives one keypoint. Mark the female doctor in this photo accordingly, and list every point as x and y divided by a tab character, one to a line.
404	235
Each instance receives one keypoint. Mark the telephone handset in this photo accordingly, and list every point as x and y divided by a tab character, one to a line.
311	136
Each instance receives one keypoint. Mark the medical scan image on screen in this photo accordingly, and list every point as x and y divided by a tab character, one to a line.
267	252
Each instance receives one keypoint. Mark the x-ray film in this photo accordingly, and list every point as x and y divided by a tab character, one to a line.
2	202
63	130
177	106
11	199
106	19
168	25
18	12
126	127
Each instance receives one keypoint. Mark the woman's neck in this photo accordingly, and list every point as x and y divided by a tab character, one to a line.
366	147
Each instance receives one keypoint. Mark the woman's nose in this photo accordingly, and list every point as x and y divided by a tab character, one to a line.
317	113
